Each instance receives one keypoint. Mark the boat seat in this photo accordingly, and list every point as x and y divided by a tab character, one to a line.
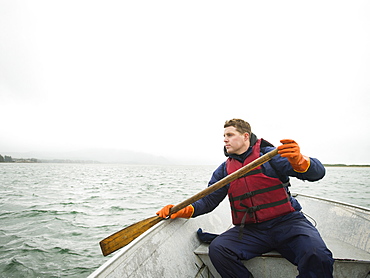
349	262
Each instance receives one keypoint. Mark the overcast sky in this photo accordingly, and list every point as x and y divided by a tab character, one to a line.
163	76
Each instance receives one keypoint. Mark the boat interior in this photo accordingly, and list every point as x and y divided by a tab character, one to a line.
344	229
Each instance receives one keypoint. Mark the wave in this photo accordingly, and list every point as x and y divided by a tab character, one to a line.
39	212
117	208
27	248
17	269
61	250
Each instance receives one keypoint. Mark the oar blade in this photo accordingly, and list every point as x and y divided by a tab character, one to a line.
126	235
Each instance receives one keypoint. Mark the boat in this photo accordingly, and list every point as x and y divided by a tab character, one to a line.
171	248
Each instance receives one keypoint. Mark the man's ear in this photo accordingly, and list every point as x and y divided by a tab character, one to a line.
246	136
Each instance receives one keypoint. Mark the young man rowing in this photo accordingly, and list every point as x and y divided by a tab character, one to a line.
265	216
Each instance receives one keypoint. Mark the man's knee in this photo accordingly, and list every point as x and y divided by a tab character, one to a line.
215	250
317	262
226	261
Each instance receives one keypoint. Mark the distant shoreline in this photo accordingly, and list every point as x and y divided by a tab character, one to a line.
345	165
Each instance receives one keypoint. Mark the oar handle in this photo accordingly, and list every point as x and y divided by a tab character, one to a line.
226	180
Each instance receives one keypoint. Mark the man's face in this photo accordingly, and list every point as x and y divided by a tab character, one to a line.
235	142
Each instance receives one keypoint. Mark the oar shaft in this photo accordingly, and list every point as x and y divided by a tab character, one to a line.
226	180
128	234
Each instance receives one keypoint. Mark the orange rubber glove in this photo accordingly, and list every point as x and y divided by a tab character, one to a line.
292	152
186	212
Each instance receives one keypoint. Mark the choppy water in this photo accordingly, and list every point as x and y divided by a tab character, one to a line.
54	215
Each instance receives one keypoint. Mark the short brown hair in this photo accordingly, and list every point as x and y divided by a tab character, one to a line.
240	125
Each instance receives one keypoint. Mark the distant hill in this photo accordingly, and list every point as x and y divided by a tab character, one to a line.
93	155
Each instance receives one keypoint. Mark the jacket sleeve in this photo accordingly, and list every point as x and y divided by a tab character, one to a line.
315	172
211	201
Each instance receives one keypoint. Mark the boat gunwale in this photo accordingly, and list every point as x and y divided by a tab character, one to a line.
297	194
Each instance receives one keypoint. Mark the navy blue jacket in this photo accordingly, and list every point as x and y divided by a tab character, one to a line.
315	172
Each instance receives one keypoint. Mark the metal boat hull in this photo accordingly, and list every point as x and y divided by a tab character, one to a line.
172	249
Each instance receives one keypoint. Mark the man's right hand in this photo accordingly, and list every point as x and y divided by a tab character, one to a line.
186	212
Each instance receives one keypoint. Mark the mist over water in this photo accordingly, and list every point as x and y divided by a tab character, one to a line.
54	215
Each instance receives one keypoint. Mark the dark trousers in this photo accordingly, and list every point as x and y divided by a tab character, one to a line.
292	235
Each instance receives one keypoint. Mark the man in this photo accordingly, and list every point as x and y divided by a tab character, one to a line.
265	216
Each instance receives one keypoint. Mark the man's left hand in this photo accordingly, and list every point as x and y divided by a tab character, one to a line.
291	150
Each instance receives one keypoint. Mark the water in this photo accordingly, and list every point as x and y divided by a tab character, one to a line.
54	215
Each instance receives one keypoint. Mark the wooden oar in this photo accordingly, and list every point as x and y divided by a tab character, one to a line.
128	234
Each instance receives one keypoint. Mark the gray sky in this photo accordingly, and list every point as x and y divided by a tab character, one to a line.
163	76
